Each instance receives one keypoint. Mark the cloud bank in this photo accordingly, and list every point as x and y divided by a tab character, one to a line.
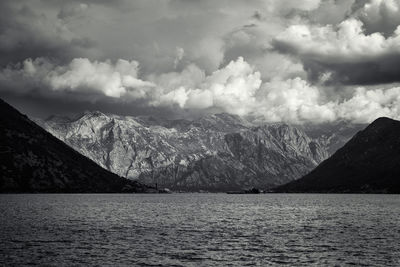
293	61
236	88
344	51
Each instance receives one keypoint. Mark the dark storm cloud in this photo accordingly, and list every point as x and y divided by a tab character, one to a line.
38	106
25	32
378	15
385	69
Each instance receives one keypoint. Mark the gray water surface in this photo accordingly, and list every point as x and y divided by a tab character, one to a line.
199	229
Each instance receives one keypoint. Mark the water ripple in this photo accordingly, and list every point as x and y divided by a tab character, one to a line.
200	230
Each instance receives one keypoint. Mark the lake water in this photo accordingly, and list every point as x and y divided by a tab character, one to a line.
199	229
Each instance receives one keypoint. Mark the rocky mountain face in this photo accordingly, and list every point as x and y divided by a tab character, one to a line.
32	160
332	135
368	163
215	153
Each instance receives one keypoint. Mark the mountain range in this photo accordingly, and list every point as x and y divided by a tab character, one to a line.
214	153
32	160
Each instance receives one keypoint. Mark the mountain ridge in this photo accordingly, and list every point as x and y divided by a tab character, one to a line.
33	160
368	163
177	153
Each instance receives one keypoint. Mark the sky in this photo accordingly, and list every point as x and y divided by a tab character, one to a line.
308	61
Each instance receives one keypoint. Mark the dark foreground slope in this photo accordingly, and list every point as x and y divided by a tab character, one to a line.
369	162
32	160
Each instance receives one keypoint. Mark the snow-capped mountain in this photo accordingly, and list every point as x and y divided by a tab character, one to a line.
215	153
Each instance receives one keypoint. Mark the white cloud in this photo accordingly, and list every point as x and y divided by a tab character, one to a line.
113	80
178	96
292	100
231	89
191	77
367	105
347	42
236	88
346	51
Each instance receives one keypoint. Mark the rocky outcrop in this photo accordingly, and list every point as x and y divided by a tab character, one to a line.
215	153
32	160
368	163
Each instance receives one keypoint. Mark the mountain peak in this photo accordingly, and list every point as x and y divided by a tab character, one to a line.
380	127
93	113
32	160
383	122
